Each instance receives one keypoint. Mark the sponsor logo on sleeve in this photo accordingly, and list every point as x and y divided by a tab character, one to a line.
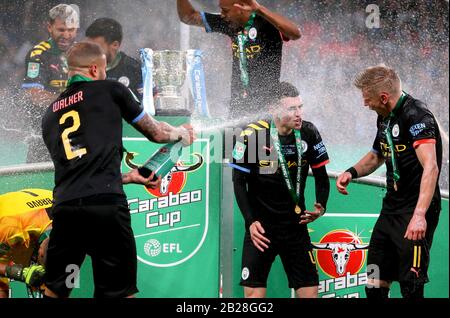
239	151
33	70
417	129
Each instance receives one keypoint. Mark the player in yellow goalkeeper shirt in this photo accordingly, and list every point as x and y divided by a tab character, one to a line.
24	229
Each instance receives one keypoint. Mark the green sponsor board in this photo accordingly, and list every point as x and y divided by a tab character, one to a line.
340	240
176	226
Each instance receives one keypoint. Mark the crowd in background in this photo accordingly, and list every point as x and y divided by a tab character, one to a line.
336	44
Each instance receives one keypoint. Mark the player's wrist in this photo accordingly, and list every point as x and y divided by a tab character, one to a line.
322	212
352	172
420	213
125	178
257	7
179	134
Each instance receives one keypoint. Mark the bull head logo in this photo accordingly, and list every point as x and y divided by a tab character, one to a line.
340	253
165	182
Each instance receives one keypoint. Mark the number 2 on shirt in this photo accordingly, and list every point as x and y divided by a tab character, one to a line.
70	153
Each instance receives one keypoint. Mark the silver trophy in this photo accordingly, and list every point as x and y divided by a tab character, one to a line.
169	73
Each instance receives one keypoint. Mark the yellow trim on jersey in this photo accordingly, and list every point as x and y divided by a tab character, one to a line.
45	44
251	128
255	127
418	257
40	47
246	132
36	52
264	124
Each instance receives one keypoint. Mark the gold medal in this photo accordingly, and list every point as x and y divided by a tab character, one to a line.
297	209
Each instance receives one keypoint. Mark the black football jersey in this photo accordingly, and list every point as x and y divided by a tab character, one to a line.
128	72
254	153
82	130
264	55
412	125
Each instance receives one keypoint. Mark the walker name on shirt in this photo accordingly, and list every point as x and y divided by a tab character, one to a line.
68	101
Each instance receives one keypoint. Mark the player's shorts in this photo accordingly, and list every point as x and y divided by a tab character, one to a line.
100	227
397	258
293	244
4	284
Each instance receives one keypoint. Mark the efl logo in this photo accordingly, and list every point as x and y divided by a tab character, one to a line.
340	252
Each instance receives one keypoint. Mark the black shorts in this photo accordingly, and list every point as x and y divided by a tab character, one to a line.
102	231
293	244
397	258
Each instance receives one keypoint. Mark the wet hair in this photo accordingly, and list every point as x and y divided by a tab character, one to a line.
68	13
280	91
108	28
286	89
83	54
378	78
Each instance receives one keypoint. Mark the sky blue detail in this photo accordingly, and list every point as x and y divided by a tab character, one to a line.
33	85
205	22
234	166
138	118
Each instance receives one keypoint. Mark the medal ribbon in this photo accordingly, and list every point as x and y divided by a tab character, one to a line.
295	193
242	40
388	134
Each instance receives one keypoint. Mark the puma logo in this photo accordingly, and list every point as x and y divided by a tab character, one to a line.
415	271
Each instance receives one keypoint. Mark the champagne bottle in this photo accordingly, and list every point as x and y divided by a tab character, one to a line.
162	161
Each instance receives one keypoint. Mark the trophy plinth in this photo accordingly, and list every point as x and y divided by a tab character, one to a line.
171	105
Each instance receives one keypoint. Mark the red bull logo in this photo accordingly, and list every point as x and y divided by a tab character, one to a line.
340	252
